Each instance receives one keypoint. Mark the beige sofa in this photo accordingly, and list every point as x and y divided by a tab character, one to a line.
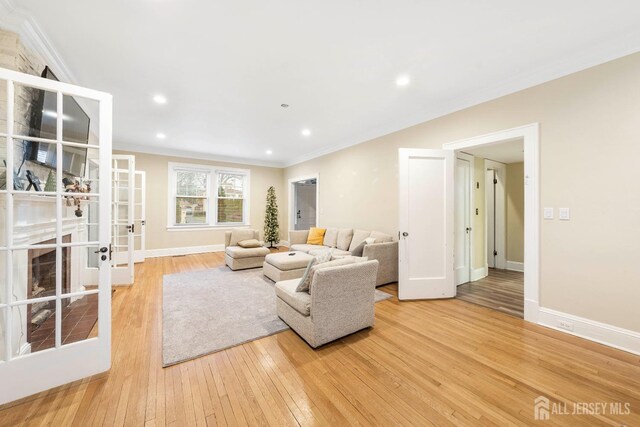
343	241
238	258
340	302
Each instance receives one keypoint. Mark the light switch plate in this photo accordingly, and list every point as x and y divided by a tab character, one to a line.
548	213
563	213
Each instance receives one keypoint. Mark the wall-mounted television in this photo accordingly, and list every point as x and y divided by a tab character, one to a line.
43	122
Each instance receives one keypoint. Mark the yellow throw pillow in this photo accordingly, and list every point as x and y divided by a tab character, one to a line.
316	236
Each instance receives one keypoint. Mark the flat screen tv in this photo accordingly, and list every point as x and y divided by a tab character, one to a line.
43	122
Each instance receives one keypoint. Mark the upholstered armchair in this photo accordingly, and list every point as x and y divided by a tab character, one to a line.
340	302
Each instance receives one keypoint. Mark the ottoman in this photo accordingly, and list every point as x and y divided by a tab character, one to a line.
282	266
238	258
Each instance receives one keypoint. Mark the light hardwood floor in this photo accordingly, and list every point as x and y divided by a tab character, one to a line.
424	363
501	290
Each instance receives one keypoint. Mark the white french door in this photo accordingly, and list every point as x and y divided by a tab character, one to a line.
122	224
55	149
426	224
139	216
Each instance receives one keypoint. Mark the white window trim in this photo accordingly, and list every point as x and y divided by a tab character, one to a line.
212	194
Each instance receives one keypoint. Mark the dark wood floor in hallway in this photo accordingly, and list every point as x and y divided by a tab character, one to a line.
501	290
442	362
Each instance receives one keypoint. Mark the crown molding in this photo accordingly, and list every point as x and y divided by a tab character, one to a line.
33	37
193	155
594	55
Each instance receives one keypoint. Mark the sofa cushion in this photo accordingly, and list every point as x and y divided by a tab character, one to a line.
337	253
381	237
305	247
299	301
316	236
335	263
330	238
344	238
239	234
321	252
285	262
358	237
357	251
250	243
303	284
237	252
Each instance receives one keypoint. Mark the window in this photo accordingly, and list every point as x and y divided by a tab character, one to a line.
201	196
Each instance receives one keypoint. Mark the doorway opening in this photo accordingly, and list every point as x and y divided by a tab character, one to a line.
303	196
510	160
495	277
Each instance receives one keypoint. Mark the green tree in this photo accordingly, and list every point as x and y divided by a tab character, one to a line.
271	226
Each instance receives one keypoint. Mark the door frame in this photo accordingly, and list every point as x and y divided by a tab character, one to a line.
531	135
290	202
500	239
470	184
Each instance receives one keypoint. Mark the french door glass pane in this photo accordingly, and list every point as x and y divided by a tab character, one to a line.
34	165
3	277
34	219
76	259
80	120
79	318
191	183
230	210
3	106
35	112
33	327
3	311
81	214
191	210
34	272
3	156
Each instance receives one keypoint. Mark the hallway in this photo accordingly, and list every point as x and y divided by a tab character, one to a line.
501	290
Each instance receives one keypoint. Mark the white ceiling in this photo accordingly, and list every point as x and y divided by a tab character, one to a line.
503	152
226	66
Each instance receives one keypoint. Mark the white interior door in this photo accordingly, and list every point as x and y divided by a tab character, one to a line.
491	218
122	227
139	221
426	224
51	234
462	226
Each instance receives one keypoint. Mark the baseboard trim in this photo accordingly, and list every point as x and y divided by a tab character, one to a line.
479	273
515	266
157	253
612	336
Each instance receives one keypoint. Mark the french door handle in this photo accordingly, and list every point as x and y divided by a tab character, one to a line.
405	234
468	229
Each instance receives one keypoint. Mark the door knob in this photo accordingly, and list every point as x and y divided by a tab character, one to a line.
405	234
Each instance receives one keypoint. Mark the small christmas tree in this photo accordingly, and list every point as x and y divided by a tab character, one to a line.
271	226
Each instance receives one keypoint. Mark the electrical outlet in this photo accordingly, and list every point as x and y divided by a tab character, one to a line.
567	326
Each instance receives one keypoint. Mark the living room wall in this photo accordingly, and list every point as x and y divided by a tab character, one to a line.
587	117
157	235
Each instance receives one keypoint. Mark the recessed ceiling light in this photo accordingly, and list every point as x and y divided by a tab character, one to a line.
403	80
284	105
160	99
306	132
269	152
160	135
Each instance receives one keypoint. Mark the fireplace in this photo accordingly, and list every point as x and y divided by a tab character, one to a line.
41	282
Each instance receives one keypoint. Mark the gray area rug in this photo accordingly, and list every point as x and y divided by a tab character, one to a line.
211	310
